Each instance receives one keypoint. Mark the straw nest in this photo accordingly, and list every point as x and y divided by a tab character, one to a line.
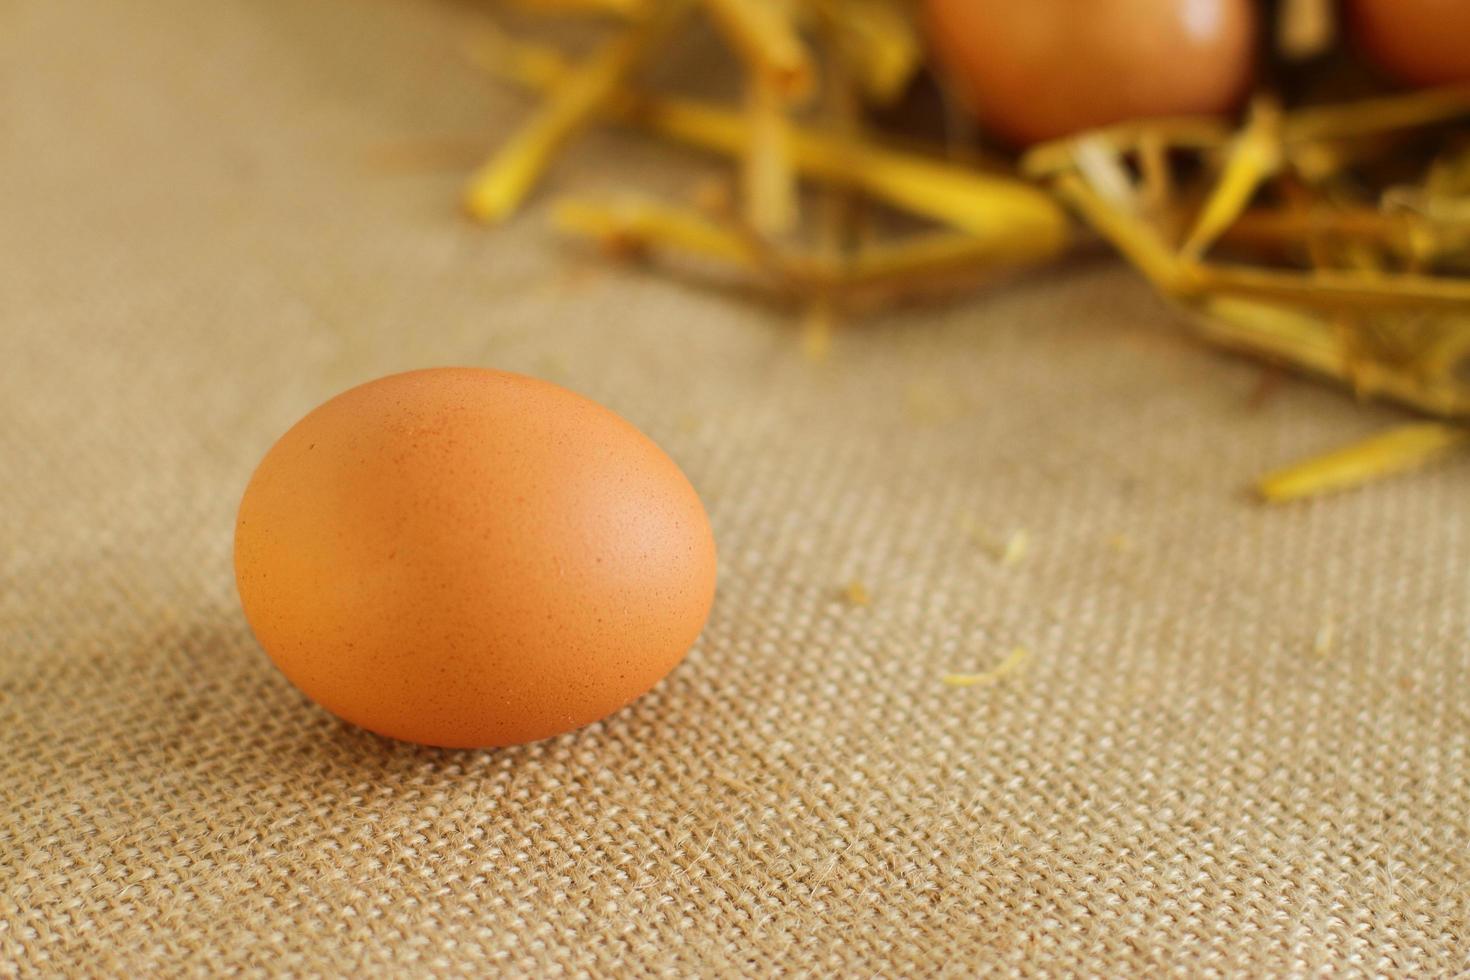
1326	229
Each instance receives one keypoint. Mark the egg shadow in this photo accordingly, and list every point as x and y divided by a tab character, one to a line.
217	702
213	713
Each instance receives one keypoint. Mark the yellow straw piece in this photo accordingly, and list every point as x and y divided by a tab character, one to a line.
1301	337
1254	156
1314	341
877	42
1365	116
1102	167
1157	180
762	33
498	188
928	253
1274	226
1332	289
1015	548
769	180
1181	132
648	223
652	224
1395	451
1012	663
857	593
1131	235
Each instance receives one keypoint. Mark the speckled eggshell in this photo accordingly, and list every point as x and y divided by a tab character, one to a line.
465	557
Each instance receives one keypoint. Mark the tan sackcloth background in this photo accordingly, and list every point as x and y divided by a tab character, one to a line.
210	225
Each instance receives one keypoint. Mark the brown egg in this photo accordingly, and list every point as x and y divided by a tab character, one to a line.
465	557
1421	42
1042	69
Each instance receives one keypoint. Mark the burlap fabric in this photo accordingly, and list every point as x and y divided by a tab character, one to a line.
211	222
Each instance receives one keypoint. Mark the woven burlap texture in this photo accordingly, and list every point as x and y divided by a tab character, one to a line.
1239	746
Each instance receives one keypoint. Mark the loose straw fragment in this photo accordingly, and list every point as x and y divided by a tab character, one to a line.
1276	226
877	41
1181	132
1254	156
645	223
1012	663
1301	337
1367	116
1314	341
769	178
651	224
1016	547
762	33
1131	235
1153	164
1398	450
497	188
1103	169
1335	289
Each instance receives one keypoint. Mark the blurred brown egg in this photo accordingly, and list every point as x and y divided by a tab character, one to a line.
1042	69
465	557
1421	42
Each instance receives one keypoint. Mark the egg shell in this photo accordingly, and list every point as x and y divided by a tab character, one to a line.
466	557
1044	69
1421	42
